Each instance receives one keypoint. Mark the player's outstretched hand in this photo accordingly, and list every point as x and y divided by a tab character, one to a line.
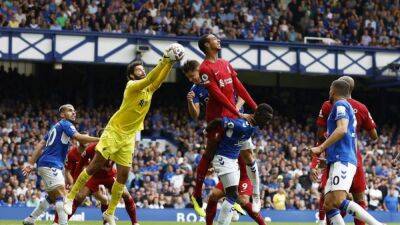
27	169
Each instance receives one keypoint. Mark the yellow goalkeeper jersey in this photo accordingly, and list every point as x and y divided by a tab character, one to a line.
137	98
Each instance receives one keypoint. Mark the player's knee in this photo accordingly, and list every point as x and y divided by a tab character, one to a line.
332	202
122	174
213	196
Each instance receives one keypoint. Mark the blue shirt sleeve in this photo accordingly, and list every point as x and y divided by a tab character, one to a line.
68	128
340	110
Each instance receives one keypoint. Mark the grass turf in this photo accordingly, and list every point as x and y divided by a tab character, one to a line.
15	222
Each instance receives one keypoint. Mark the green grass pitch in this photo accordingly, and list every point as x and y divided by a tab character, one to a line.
14	222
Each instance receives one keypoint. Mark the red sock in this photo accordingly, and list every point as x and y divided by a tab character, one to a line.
211	210
255	216
203	166
55	218
363	204
321	213
130	208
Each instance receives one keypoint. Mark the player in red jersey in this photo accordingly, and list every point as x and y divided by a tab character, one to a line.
245	191
223	86
364	121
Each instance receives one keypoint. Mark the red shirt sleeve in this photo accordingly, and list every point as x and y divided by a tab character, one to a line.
211	84
314	162
368	123
324	114
241	90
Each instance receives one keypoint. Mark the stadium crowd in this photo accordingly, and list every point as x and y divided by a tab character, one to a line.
163	178
350	22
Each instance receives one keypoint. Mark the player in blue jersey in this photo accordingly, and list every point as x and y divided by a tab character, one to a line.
340	148
49	156
225	162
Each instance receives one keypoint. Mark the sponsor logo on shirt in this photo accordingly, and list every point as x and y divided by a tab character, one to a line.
223	82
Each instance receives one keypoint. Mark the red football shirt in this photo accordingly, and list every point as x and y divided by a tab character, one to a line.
87	156
73	158
222	83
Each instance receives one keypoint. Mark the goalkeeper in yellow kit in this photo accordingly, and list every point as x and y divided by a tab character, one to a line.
118	139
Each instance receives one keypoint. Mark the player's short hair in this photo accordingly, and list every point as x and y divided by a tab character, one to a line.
202	43
349	80
263	114
189	66
131	68
341	87
64	107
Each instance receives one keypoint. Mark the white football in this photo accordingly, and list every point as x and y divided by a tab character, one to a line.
176	51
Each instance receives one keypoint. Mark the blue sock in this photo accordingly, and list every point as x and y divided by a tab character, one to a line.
332	213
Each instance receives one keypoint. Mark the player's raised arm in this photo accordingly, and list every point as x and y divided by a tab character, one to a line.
156	76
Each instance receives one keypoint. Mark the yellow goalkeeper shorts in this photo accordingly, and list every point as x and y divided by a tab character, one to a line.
117	147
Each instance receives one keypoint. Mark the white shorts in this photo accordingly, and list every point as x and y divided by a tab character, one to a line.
52	177
227	170
248	144
340	177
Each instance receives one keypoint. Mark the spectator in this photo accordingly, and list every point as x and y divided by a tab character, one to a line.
391	201
375	196
179	203
279	200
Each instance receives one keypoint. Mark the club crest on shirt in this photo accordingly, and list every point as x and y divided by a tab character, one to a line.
204	78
